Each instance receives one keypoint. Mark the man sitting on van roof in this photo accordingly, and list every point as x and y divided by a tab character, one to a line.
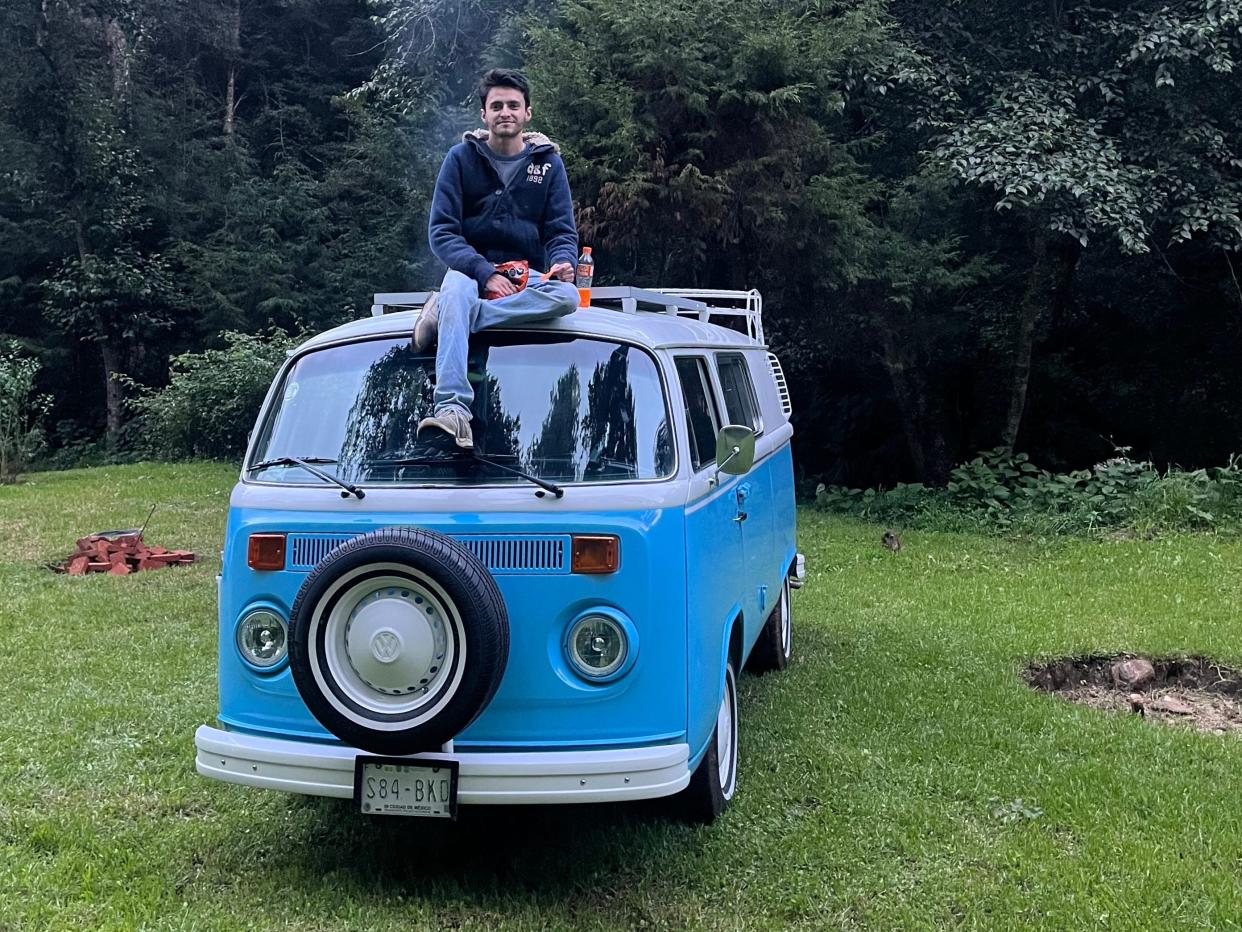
502	195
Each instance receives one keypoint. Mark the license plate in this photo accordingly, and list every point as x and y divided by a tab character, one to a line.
401	787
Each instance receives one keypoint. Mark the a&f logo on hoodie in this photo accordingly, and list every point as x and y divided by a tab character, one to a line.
535	172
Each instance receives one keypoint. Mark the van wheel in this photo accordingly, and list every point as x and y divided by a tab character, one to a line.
398	640
774	646
714	782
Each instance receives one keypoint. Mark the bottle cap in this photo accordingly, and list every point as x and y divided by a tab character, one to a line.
586	250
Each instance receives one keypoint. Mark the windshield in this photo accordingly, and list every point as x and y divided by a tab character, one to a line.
564	409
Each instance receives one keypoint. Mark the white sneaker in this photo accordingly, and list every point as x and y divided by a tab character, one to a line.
427	325
453	422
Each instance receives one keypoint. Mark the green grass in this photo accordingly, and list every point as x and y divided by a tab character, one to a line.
879	779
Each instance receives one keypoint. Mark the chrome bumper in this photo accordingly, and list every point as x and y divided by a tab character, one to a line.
504	778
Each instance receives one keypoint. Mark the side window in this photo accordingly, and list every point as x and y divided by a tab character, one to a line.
701	417
739	391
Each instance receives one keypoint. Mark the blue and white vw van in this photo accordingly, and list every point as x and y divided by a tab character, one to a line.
559	617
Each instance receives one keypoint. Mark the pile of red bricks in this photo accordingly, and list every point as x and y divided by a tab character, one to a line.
120	556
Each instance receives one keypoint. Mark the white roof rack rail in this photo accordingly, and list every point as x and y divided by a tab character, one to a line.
706	304
629	298
726	308
400	300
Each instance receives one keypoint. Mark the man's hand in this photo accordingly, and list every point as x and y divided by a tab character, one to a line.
563	271
500	285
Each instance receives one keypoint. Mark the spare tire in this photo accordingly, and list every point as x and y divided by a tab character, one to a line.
398	640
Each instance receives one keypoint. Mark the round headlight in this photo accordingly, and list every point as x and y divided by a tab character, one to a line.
263	638
598	646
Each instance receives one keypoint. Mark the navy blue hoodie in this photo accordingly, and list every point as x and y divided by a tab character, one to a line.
476	222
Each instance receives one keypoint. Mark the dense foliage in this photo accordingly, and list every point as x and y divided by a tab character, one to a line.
1004	492
974	225
209	404
21	433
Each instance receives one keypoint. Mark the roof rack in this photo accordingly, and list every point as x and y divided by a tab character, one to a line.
708	305
727	308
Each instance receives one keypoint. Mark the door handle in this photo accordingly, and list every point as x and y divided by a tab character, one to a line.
743	493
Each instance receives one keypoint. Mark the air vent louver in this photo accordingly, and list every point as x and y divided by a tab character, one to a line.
305	550
502	554
781	386
515	555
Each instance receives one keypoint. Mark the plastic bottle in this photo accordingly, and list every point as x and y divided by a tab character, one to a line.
586	271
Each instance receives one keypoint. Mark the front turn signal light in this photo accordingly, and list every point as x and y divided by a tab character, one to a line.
266	552
595	553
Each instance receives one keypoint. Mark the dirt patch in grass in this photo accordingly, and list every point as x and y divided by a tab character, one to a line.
1194	692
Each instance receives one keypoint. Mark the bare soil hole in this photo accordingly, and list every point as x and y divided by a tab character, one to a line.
1195	692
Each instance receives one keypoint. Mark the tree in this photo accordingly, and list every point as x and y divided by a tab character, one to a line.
726	149
75	107
193	163
1085	121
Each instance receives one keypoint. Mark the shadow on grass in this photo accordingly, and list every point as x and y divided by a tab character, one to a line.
494	857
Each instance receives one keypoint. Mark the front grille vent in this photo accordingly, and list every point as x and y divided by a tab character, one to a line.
515	555
503	555
305	550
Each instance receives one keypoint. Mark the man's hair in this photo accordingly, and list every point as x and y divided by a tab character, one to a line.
503	77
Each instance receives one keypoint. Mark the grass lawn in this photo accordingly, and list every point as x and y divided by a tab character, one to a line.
880	782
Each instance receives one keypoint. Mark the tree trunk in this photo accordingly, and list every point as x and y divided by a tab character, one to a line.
118	61
1034	300
111	349
41	25
233	52
921	423
230	101
1047	288
114	391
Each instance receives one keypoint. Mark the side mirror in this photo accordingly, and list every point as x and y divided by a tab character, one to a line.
735	450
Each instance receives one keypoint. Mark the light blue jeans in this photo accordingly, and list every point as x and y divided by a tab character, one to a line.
462	312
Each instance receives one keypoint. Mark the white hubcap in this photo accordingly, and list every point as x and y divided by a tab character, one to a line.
726	736
786	620
390	643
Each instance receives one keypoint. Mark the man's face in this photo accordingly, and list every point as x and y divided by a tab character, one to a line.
505	114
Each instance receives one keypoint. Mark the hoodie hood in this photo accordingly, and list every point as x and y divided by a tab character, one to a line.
537	141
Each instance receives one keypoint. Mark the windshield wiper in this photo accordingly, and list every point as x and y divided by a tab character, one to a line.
543	484
556	490
347	489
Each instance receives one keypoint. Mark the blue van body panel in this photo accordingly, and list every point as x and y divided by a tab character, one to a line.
683	619
541	702
721	550
784	512
714	562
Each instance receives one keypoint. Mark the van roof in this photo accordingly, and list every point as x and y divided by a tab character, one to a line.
645	328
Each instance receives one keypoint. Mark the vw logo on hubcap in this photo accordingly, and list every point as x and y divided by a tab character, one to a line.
386	645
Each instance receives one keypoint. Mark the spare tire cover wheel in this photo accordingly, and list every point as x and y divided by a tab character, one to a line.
398	640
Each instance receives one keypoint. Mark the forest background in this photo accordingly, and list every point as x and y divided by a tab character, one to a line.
975	225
